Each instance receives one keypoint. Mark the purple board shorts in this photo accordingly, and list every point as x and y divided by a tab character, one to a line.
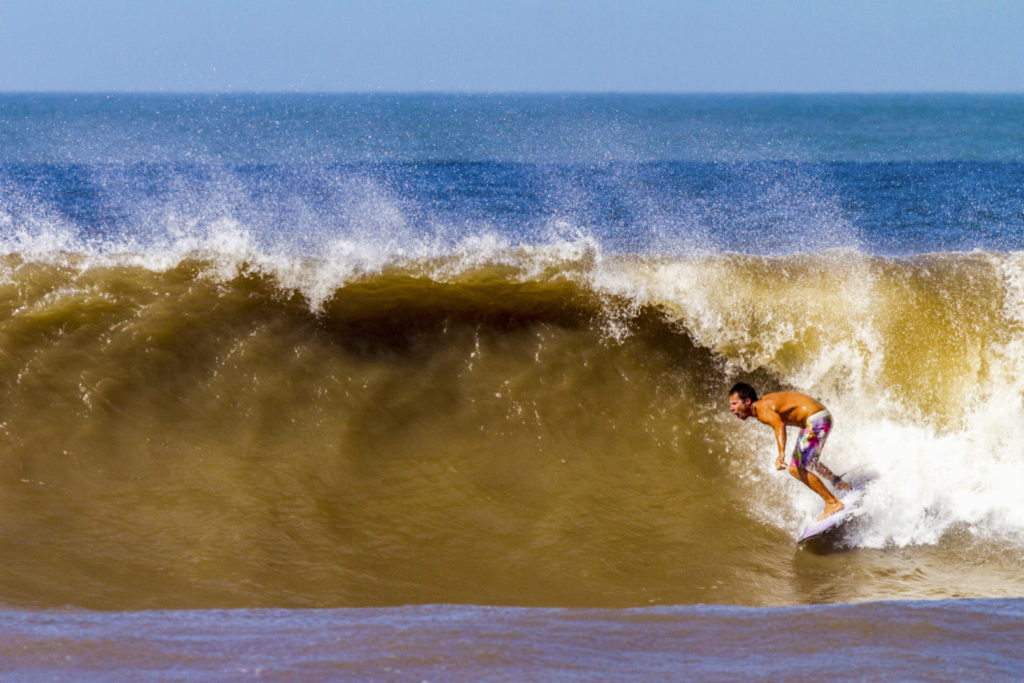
812	439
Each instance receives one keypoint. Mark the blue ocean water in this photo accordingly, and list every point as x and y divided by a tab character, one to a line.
935	641
643	174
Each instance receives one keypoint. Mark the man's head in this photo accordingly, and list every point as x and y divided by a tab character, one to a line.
741	400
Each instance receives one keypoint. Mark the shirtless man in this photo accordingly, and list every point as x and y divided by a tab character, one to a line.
793	409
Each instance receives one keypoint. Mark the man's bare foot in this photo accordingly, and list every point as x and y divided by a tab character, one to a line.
831	510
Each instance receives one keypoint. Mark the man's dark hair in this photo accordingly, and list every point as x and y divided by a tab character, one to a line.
744	390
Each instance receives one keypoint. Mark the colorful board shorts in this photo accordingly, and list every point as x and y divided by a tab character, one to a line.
812	439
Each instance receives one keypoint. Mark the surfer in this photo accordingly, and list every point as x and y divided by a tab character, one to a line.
792	409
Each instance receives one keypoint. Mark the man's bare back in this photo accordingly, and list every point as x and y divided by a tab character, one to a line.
791	406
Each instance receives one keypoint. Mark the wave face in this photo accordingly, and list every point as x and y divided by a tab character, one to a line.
329	351
532	425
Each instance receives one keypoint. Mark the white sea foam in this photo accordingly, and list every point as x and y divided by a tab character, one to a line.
934	476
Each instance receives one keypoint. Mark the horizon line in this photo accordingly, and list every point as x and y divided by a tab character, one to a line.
556	93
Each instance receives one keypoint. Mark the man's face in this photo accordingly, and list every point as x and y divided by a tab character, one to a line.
740	407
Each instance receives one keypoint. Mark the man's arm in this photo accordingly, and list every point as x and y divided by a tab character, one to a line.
767	415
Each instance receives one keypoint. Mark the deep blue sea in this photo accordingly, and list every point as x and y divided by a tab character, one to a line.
393	387
894	174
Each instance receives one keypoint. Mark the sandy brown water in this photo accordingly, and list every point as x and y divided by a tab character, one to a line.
526	434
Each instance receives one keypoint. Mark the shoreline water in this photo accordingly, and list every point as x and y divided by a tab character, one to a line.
951	640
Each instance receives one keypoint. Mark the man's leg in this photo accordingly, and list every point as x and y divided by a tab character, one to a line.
832	504
826	473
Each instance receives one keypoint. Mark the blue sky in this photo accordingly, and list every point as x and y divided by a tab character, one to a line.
512	45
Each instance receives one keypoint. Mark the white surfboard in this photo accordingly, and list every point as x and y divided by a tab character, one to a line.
851	502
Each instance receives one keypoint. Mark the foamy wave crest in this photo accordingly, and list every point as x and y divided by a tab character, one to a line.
921	362
26	228
968	475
